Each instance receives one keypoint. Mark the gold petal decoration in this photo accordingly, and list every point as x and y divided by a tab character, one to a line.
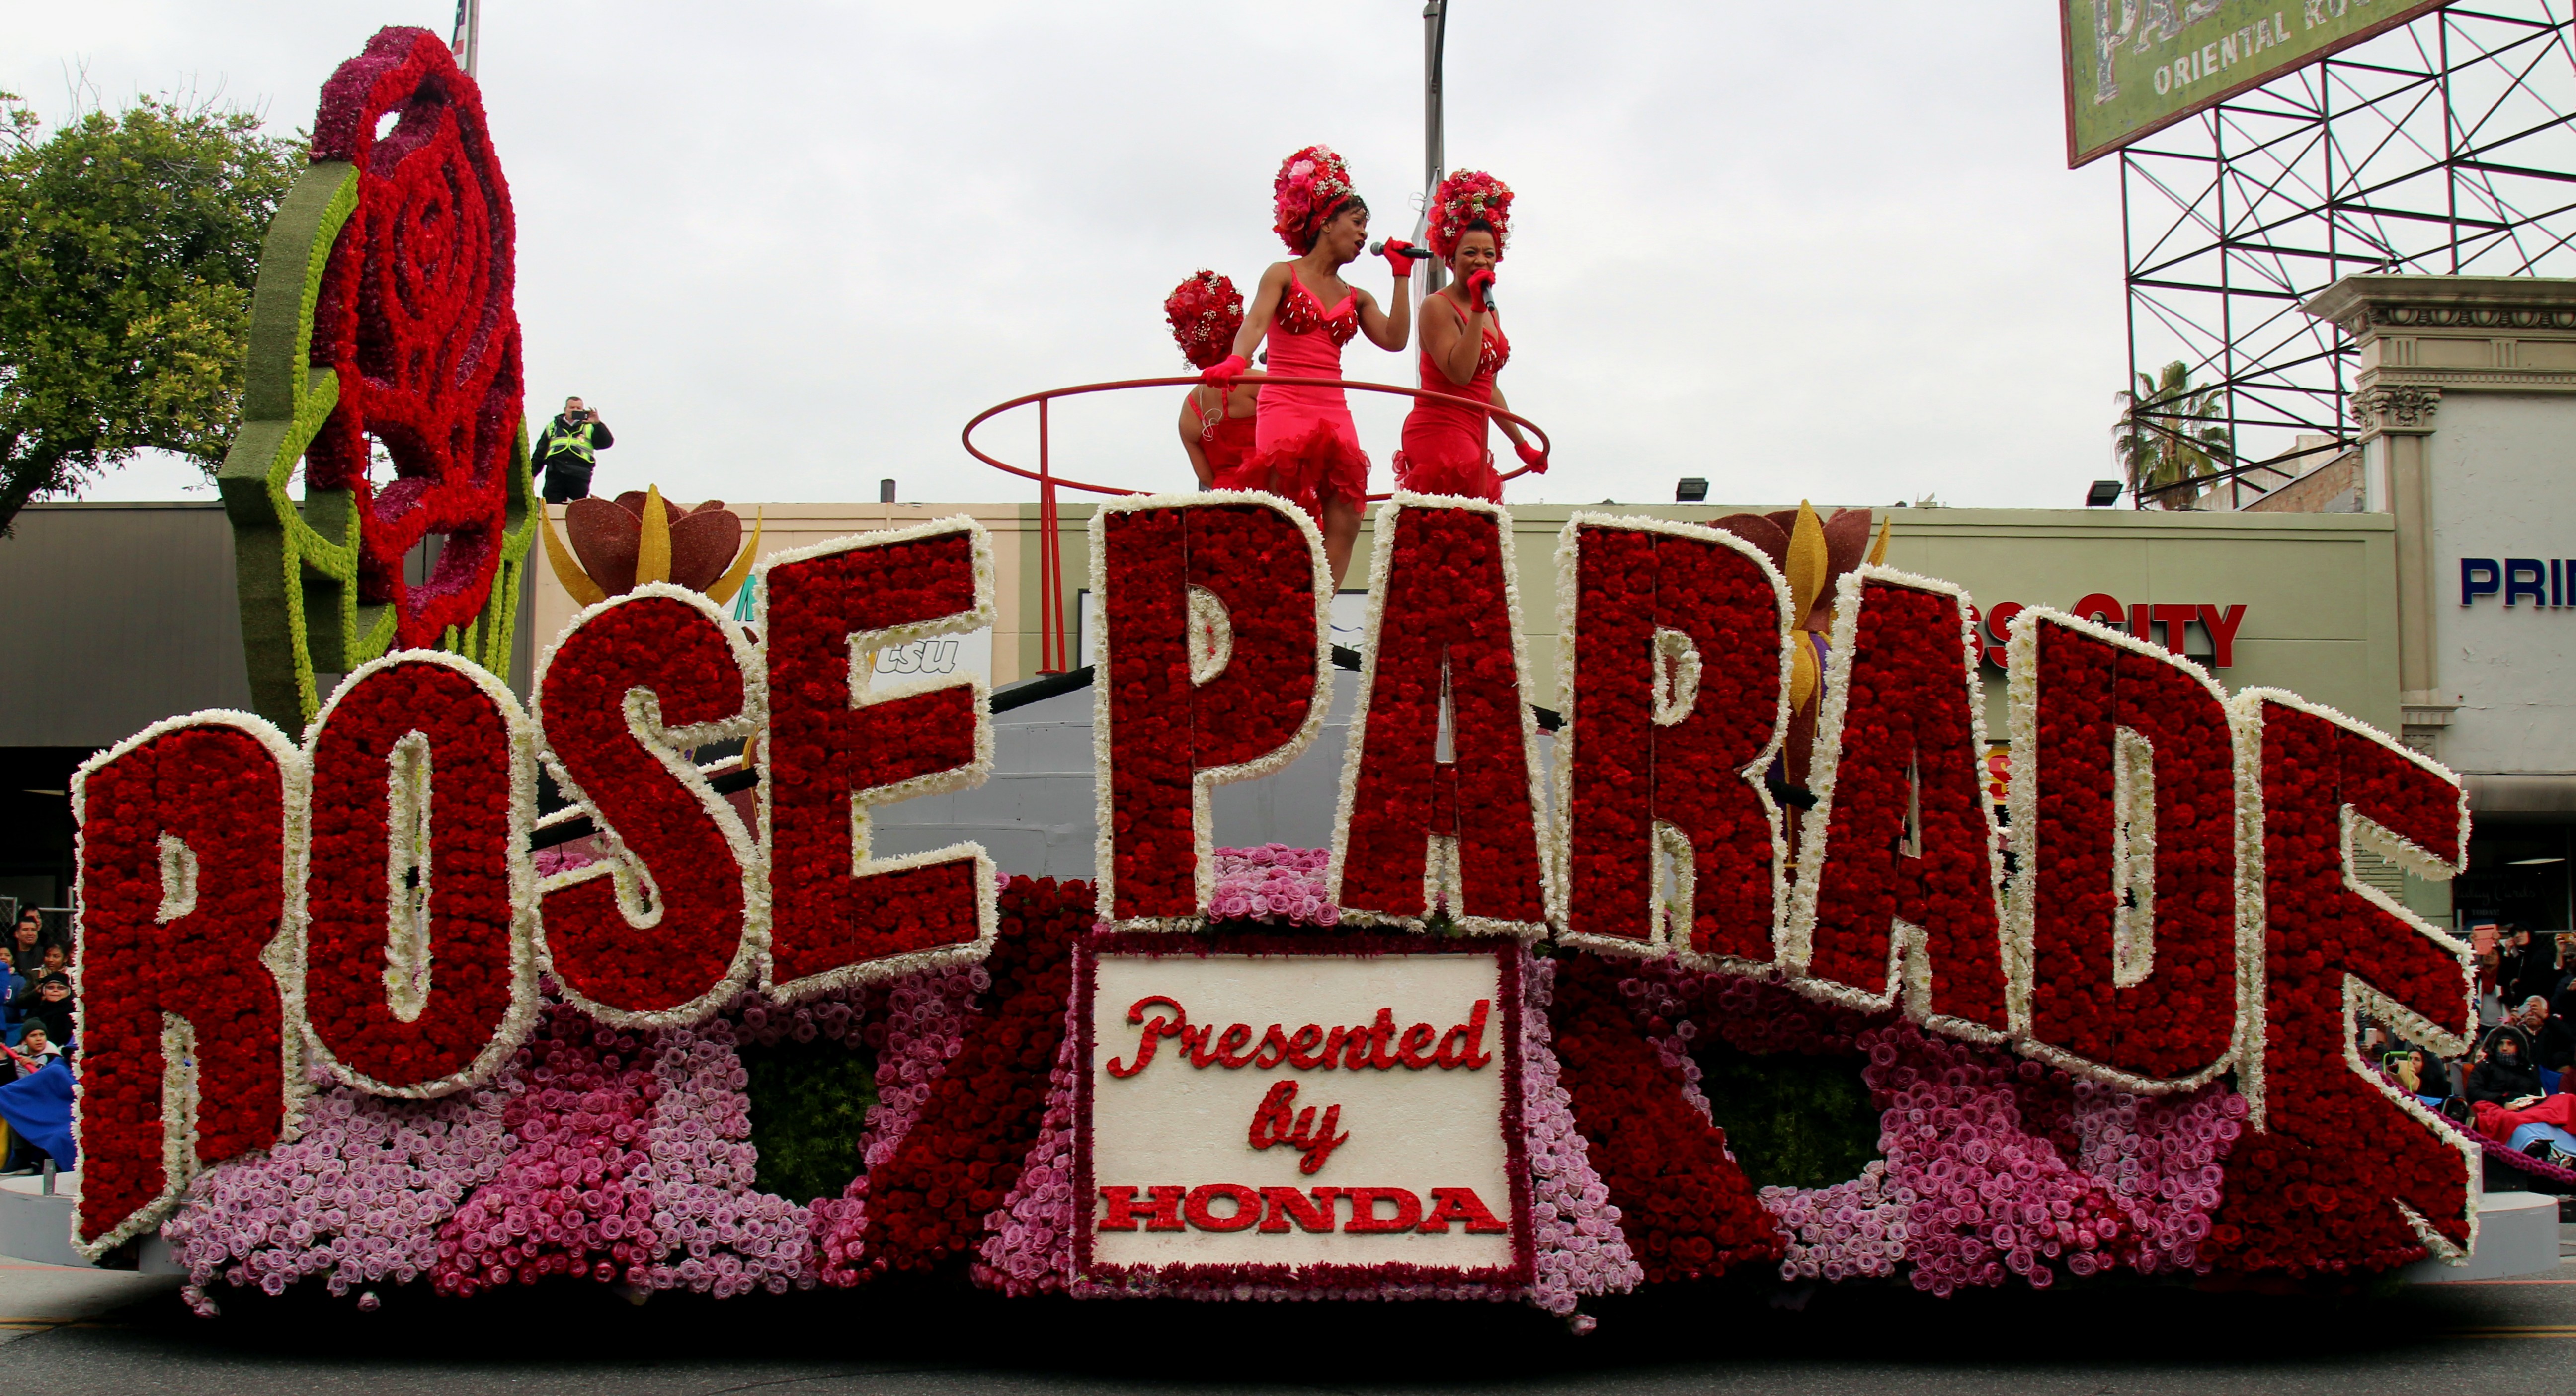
1803	673
732	580
1810	563
585	592
1878	550
653	555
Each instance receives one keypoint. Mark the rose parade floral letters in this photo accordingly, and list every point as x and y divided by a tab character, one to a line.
338	1023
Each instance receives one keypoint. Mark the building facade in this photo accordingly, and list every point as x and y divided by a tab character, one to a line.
2466	395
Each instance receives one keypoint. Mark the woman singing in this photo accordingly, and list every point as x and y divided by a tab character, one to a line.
1216	421
1304	446
1462	349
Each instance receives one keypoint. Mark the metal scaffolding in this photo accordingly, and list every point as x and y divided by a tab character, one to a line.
2442	147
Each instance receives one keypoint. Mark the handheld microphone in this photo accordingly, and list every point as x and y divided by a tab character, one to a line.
1378	249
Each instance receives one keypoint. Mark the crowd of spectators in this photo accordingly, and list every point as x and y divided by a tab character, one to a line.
2525	1058
39	987
39	1023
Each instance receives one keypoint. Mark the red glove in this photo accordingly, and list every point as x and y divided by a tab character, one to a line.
1476	284
1393	251
1530	455
1226	372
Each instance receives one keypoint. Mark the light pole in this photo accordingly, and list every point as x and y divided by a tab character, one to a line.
1435	29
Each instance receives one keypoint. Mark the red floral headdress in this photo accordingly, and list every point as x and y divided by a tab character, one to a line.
1205	312
1311	184
1463	198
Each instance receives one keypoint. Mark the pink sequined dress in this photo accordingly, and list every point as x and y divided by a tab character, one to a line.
1304	446
1444	437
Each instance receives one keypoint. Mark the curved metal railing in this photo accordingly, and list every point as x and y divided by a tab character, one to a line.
1053	654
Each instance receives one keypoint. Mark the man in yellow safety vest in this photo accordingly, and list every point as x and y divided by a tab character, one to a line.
564	451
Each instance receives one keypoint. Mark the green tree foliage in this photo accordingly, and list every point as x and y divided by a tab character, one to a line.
1791	1121
2166	435
808	1102
129	244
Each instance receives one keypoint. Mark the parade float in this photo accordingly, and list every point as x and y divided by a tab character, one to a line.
1701	956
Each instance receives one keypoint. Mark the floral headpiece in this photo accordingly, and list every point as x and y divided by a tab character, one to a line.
1205	312
1463	198
1311	184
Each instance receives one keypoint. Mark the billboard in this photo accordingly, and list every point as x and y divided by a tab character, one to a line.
2137	66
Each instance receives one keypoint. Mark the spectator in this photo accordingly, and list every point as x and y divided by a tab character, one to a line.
2504	1074
26	1059
2562	1001
26	949
2525	967
2553	1045
564	451
35	1048
50	1005
2424	1074
12	985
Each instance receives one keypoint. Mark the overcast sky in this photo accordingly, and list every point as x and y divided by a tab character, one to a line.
788	249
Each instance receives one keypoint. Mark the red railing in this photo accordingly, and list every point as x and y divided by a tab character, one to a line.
1053	654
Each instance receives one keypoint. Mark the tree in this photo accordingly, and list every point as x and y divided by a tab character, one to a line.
2156	442
129	245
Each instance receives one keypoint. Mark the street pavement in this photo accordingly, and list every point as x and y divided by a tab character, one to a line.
71	1332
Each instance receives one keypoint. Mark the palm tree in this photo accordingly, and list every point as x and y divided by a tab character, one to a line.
2155	443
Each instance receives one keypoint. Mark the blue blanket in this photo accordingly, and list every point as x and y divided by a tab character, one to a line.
39	1107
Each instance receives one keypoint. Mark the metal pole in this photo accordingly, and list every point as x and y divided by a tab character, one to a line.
2226	295
1435	29
2450	142
2129	283
1052	658
467	41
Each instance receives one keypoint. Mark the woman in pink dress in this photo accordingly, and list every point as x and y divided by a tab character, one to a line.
1463	347
1216	419
1304	445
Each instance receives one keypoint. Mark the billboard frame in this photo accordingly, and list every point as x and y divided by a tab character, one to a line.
2077	158
2445	148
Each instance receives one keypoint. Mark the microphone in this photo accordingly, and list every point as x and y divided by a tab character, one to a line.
1378	249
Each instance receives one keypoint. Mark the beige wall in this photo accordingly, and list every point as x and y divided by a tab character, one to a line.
2319	588
786	527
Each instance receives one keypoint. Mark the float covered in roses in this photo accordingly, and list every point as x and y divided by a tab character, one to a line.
1510	1036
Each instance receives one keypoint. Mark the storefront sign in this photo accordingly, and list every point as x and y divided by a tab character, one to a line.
2549	583
2154	622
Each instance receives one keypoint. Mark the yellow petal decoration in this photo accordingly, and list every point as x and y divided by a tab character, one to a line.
1878	550
653	553
1803	675
1809	564
585	592
732	580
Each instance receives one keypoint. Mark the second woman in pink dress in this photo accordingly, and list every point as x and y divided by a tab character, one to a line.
1304	446
1463	347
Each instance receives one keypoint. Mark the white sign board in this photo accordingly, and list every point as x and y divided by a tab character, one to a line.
942	656
1295	1111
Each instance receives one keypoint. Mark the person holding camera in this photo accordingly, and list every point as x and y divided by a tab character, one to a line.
564	451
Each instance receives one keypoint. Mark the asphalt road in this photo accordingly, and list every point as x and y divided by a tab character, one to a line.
81	1331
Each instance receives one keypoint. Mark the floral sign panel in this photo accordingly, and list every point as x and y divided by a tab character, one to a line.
1345	1114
